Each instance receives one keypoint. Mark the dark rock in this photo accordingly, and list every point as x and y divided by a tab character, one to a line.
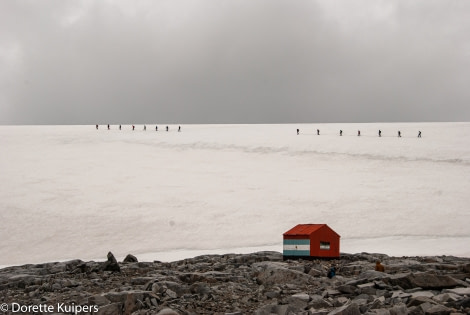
421	280
73	264
424	307
317	302
446	297
464	303
200	289
142	281
380	285
277	309
399	310
438	310
111	264
377	304
133	302
420	300
56	287
415	310
130	259
81	268
98	300
350	309
110	309
163	286
372	275
272	273
432	281
364	297
347	289
367	288
299	300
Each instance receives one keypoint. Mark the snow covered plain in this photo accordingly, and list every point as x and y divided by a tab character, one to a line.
76	192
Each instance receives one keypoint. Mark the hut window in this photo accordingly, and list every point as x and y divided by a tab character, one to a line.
325	245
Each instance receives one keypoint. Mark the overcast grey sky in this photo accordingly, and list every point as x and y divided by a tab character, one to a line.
234	61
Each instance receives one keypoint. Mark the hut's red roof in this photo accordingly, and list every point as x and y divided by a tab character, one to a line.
306	229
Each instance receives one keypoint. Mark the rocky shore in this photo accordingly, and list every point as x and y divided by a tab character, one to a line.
259	283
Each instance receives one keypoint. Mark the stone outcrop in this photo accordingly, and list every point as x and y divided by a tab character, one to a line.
259	283
130	259
111	264
423	280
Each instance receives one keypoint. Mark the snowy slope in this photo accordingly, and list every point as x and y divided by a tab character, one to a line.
76	192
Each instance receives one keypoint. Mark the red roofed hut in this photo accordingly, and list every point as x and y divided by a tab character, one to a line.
311	241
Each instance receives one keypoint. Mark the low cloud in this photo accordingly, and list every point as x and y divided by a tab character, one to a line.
270	61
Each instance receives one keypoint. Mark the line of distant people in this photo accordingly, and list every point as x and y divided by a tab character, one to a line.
145	128
359	133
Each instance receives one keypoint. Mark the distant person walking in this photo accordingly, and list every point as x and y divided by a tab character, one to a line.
358	133
318	132
145	127
380	133
179	128
156	128
341	132
133	127
96	127
166	128
119	127
108	126
298	131
419	134
399	134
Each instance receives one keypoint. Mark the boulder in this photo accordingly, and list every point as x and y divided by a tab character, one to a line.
277	310
130	300
399	310
134	302
299	300
301	296
458	291
377	303
420	300
130	259
438	310
421	280
446	297
347	289
428	294
372	275
170	286
273	273
464	303
424	307
317	302
349	309
111	264
200	288
110	309
432	281
98	300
